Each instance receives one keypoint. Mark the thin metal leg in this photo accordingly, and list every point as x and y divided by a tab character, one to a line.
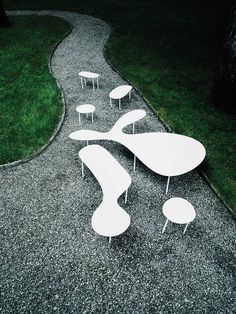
185	228
87	142
93	84
85	82
79	118
97	83
167	186
164	228
109	240
133	127
119	103
92	117
130	95
134	162
81	79
110	103
126	195
82	169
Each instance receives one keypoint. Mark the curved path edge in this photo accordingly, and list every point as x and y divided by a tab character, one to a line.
63	101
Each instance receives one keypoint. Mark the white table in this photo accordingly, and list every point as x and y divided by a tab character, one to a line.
120	92
109	219
86	108
167	154
178	210
84	75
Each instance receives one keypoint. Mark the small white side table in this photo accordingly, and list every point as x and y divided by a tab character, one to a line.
120	92
86	108
178	210
84	75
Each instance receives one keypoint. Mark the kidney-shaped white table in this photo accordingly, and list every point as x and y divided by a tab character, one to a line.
120	92
89	75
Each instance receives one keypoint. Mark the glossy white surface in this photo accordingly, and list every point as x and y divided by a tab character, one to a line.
120	91
179	210
167	154
86	108
88	74
109	219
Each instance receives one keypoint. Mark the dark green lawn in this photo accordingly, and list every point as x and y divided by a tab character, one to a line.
169	49
30	104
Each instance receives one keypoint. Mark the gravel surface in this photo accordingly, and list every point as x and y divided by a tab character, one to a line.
51	259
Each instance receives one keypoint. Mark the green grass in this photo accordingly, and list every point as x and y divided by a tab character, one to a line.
30	104
170	49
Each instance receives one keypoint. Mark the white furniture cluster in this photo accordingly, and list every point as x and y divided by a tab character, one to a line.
167	154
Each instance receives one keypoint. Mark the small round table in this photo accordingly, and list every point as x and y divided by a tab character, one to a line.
178	210
86	108
89	75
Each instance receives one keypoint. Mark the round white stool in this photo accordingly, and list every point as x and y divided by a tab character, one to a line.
84	75
179	211
86	108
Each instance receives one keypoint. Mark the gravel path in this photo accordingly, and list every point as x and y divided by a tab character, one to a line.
51	259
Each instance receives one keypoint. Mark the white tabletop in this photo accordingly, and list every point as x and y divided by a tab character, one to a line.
109	219
120	91
88	74
167	154
86	108
179	210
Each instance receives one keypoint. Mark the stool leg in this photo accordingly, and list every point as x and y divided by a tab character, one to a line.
109	240
79	118
110	103
119	103
167	186
92	117
185	228
164	228
133	127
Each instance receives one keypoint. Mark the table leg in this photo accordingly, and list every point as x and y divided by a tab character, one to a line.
133	127
87	142
92	117
82	169
109	240
167	186
79	119
164	228
97	83
93	84
126	195
110	103
119	103
85	82
134	162
185	228
81	80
